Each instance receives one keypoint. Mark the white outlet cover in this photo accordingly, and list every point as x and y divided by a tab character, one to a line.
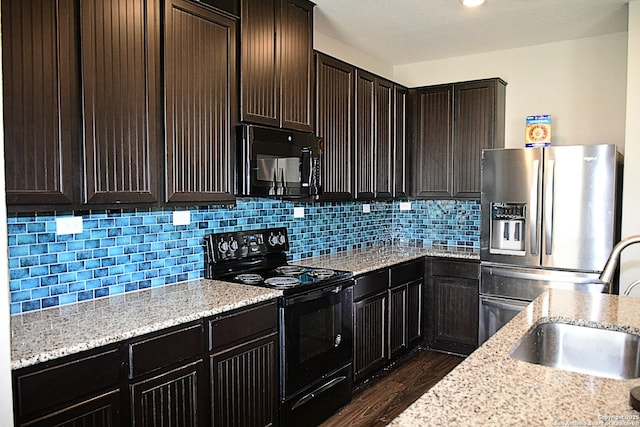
68	225
298	212
366	208
405	206
181	217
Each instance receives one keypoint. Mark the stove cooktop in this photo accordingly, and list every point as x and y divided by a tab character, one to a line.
291	277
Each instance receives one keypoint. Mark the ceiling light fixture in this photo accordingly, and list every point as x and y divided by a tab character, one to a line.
472	3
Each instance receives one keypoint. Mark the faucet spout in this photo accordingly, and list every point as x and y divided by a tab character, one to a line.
610	267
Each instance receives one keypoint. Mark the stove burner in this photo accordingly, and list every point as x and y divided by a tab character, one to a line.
290	270
282	282
249	279
321	273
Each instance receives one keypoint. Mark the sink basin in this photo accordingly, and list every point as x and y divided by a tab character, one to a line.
586	350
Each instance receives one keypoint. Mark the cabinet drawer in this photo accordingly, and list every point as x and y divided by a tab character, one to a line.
407	272
245	324
460	269
61	384
371	284
164	350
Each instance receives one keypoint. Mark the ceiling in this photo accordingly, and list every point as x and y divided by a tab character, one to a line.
407	31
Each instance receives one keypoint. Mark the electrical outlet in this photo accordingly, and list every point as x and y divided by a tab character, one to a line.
366	208
181	217
68	225
405	206
298	212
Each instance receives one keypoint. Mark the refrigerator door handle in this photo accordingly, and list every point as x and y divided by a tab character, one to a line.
548	206
533	203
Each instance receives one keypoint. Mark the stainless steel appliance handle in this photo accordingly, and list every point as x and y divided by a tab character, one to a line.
306	166
307	397
533	205
504	304
519	274
548	206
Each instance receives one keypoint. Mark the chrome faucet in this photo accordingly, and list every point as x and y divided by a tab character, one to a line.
609	270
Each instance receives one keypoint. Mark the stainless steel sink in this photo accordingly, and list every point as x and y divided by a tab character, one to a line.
586	350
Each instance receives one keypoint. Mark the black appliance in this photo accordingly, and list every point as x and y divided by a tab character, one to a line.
278	163
315	319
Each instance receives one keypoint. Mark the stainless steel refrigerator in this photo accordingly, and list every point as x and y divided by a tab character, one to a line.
550	217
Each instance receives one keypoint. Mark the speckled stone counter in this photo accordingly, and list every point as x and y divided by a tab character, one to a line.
491	388
360	261
56	332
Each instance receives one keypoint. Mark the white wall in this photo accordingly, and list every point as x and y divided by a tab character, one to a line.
6	405
581	83
630	261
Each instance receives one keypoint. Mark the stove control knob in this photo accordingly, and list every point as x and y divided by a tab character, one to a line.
223	246
281	239
233	244
273	240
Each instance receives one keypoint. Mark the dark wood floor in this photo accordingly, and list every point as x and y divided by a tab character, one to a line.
383	398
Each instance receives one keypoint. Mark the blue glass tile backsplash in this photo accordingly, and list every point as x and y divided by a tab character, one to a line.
123	251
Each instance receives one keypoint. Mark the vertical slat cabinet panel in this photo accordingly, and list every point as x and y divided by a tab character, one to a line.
414	312
456	310
364	154
384	98
41	100
170	399
400	138
432	170
370	335
102	411
477	127
245	384
296	65
397	320
259	84
334	124
200	83
120	61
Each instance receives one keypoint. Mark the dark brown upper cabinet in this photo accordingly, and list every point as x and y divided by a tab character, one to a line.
276	64
39	93
453	124
334	124
384	120
120	66
400	138
200	106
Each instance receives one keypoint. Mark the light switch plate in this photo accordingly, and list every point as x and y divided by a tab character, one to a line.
298	212
405	206
181	217
68	225
366	208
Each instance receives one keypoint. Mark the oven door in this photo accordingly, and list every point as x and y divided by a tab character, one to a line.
316	335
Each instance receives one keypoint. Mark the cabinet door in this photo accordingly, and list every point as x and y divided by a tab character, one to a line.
244	384
432	171
334	124
200	76
260	93
370	335
40	96
400	138
101	411
120	64
414	303
397	320
479	124
364	154
296	65
384	100
174	398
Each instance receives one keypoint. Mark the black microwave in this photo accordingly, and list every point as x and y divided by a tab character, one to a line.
278	163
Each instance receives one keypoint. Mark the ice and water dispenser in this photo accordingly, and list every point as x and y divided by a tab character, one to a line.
508	228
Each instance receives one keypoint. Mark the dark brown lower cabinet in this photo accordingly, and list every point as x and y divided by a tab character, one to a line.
405	306
455	286
244	368
370	351
222	372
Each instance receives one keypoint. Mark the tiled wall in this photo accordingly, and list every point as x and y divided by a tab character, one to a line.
124	251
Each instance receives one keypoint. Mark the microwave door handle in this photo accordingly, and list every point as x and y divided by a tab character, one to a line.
548	206
306	166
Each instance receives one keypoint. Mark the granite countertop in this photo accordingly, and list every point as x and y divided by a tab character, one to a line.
68	329
490	388
364	260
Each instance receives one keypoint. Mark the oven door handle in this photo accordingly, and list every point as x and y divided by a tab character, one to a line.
333	291
307	397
